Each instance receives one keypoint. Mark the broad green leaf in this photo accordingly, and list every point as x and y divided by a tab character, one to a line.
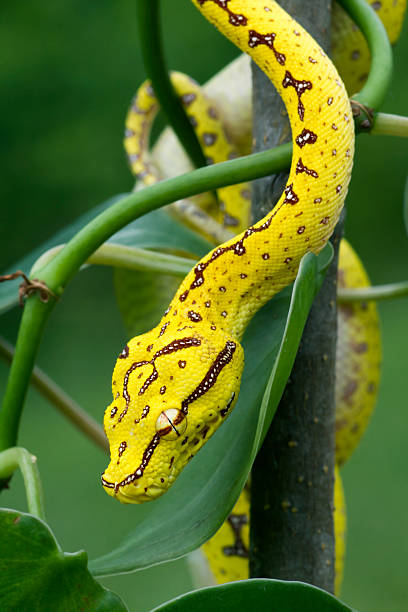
204	494
257	594
406	205
156	230
36	575
143	297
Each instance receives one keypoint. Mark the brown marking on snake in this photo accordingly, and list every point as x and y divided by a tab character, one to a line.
147	455
209	138
349	390
188	98
300	87
209	380
153	376
164	327
290	195
124	353
194	316
360	347
237	521
300	167
234	18
175	345
255	39
230	221
371	387
306	137
122	448
183	296
224	411
238	247
113	412
145	412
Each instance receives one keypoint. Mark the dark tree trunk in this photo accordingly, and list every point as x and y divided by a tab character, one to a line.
292	479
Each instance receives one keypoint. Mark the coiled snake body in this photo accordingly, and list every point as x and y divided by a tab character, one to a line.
173	386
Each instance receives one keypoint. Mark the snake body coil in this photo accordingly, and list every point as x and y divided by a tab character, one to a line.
173	386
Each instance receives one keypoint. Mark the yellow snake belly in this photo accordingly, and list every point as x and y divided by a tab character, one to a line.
173	386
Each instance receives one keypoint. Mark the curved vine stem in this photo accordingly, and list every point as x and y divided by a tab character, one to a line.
14	458
155	64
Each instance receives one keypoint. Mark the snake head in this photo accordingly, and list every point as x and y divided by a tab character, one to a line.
169	398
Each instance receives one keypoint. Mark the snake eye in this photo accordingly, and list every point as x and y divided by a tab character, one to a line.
171	424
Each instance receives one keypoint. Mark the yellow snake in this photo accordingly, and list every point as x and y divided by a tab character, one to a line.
173	386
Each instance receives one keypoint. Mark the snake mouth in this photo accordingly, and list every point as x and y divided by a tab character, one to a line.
131	493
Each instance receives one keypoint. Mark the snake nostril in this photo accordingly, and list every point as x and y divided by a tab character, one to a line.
171	424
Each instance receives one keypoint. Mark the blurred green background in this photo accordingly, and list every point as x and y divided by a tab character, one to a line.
67	72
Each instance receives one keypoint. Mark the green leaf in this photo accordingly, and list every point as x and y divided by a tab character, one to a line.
142	298
36	575
156	230
204	494
406	205
257	594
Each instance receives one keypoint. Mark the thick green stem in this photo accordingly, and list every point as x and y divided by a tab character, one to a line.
390	125
61	400
155	64
29	337
14	458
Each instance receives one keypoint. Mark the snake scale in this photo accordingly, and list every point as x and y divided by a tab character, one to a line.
173	386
